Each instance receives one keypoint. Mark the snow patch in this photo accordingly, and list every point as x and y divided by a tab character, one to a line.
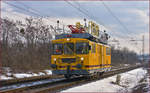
22	75
8	75
40	73
128	79
3	77
49	72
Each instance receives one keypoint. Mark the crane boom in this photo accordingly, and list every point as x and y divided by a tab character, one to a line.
76	30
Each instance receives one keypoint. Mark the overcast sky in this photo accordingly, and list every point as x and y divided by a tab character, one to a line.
122	19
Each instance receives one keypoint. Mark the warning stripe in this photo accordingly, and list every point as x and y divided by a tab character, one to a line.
88	66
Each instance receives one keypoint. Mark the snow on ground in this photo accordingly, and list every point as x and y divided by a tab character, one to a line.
41	73
22	75
147	82
49	72
9	75
128	81
5	77
148	85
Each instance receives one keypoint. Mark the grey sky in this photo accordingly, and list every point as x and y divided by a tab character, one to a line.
133	15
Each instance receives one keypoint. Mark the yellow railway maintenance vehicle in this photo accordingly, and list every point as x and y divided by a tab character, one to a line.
80	53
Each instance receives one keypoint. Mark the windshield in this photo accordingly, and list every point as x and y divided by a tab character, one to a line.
57	49
68	48
82	48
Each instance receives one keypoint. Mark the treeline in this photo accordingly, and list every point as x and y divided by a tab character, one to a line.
26	46
123	56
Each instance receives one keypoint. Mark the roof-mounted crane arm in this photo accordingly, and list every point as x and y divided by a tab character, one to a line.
76	30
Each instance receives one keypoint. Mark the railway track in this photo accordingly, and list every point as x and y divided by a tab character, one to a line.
27	79
23	83
54	85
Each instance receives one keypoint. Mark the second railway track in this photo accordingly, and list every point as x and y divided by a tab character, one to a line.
61	83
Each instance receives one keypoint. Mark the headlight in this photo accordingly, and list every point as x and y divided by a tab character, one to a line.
54	59
82	58
68	39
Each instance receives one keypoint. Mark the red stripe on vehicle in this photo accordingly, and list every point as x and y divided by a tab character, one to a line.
97	65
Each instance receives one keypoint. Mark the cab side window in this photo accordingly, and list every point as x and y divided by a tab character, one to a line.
93	48
108	51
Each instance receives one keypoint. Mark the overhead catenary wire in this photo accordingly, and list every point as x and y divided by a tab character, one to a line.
91	15
32	12
37	12
86	12
117	19
121	23
83	11
45	16
109	11
22	9
28	6
77	3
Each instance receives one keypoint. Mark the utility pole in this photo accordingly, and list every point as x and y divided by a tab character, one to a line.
143	59
143	48
63	29
117	43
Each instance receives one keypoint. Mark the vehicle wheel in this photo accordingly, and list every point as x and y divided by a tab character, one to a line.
101	73
77	75
67	76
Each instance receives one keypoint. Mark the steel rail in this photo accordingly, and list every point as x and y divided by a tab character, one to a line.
27	79
79	81
63	84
